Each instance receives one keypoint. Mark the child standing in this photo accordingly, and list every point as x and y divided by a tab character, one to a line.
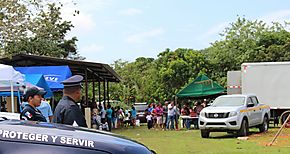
149	120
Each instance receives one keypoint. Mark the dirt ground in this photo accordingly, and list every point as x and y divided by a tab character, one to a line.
283	140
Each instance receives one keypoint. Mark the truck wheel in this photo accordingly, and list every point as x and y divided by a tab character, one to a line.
244	130
265	125
284	116
204	133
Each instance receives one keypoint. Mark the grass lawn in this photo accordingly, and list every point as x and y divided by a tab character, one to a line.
189	141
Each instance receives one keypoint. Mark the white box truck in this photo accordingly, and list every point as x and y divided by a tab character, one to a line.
270	81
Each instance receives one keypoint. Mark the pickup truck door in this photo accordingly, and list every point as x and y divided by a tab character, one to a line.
258	111
251	112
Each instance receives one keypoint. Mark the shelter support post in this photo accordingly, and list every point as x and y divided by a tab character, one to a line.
12	96
99	85
94	95
86	84
108	98
175	99
88	117
104	86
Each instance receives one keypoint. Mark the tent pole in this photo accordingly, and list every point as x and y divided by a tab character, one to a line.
19	100
1	103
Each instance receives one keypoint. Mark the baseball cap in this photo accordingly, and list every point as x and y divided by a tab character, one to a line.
33	91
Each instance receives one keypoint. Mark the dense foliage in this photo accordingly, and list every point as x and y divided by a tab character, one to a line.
148	79
35	27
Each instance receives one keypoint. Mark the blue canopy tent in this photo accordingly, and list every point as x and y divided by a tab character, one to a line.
53	75
38	80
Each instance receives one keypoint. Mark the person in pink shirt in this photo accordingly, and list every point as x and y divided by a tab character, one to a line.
159	113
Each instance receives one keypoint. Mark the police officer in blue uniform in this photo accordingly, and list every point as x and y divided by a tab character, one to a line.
33	96
67	111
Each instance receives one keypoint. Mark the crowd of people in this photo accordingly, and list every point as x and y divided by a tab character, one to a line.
113	117
158	116
167	116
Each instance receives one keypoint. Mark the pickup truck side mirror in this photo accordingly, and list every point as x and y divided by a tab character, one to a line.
251	105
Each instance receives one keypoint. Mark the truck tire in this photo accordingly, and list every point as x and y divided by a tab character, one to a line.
244	130
284	116
265	125
204	133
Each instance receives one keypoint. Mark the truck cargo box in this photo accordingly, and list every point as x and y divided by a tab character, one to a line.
270	81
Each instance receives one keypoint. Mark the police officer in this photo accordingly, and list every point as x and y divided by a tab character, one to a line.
33	96
67	111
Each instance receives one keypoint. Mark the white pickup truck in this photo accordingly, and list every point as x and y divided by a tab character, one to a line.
234	113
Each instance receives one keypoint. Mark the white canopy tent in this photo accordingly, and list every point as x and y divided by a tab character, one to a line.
9	77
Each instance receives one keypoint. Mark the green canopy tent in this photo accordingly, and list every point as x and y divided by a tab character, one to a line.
200	87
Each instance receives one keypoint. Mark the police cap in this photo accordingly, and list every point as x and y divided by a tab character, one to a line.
33	91
73	81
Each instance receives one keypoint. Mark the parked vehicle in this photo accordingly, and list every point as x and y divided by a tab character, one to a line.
270	81
234	113
28	137
140	108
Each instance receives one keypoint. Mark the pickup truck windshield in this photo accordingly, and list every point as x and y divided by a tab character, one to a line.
229	101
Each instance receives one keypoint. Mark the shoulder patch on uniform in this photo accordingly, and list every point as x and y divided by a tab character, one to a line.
28	114
75	123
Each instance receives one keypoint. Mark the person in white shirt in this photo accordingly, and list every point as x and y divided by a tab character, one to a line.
149	120
103	115
171	116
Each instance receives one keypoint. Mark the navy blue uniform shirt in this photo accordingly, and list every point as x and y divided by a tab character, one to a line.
68	112
32	114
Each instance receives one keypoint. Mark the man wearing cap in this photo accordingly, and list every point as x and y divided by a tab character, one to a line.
67	111
33	96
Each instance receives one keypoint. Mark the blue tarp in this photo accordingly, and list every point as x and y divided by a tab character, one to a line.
52	74
38	80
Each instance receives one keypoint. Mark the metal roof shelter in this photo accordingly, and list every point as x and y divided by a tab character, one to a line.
92	72
98	71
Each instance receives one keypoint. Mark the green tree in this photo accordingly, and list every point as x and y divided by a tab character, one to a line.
14	20
40	31
179	67
247	41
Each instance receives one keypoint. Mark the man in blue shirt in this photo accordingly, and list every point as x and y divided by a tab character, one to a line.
46	111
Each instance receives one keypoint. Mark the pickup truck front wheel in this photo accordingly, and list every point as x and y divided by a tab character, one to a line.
244	130
265	125
204	133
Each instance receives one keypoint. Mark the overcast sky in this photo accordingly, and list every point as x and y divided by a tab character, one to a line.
109	30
